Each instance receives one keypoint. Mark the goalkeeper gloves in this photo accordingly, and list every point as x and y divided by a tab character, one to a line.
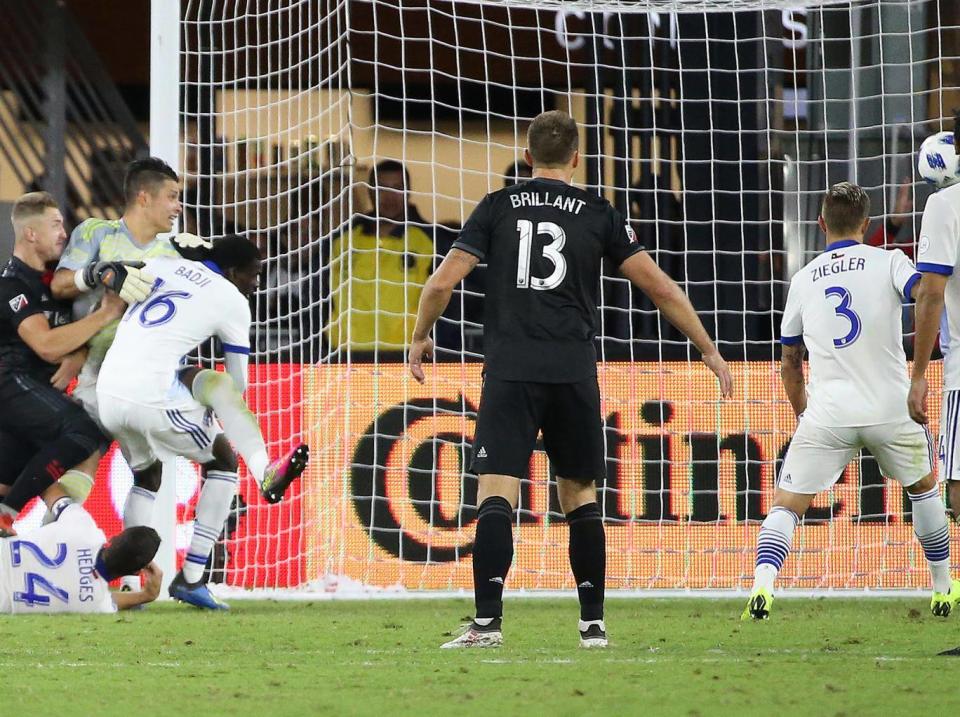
126	278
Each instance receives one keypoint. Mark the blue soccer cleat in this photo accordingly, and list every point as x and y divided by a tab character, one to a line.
196	594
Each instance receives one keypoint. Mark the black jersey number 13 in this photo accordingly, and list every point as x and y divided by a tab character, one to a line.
551	252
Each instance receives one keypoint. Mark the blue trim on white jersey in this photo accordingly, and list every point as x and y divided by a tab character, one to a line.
212	266
790	340
928	268
842	244
234	349
908	288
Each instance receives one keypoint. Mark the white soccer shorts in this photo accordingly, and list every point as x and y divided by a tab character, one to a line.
818	454
949	443
146	433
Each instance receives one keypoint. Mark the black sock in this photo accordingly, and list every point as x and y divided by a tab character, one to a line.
45	469
492	555
588	558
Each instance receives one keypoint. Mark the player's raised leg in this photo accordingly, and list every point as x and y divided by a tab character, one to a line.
218	391
213	507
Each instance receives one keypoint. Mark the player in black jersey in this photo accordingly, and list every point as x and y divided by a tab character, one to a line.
544	241
42	431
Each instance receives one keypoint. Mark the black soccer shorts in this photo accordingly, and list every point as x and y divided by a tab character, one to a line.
512	413
35	414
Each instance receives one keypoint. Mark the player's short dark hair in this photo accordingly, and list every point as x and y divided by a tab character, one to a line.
129	552
844	208
515	172
145	175
552	139
385	167
234	252
32	204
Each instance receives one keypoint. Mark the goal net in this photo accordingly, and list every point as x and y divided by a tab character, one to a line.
352	138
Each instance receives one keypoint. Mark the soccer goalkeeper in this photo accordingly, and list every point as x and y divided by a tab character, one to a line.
540	370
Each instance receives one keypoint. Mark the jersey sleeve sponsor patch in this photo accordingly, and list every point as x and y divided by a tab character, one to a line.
18	303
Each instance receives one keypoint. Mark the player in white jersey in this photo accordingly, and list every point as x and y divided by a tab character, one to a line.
147	399
938	302
845	308
67	565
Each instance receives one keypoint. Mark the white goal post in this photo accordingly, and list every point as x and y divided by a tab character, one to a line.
713	125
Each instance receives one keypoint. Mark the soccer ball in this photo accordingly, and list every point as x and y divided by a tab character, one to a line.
937	160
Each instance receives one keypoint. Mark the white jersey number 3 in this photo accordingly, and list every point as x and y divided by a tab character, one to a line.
551	251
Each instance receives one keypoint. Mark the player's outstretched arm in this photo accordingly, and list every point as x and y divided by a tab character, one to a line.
663	291
53	344
434	299
929	297
152	575
791	374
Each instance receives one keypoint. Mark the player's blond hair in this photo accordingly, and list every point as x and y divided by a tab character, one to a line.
30	205
845	207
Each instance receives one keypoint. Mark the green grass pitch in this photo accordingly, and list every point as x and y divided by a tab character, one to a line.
668	657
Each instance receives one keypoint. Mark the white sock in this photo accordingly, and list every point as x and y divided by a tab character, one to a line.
932	530
138	509
773	544
218	391
213	508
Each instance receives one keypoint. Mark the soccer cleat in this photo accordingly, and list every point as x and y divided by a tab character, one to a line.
759	606
6	526
593	634
282	472
196	594
942	604
477	636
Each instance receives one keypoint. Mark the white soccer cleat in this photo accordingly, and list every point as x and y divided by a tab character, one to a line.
477	636
593	634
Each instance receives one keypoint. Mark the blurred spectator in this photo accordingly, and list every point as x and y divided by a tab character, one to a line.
378	267
517	172
291	287
885	235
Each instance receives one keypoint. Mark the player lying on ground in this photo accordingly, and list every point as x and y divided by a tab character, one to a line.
42	431
67	565
544	242
845	307
938	300
147	401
